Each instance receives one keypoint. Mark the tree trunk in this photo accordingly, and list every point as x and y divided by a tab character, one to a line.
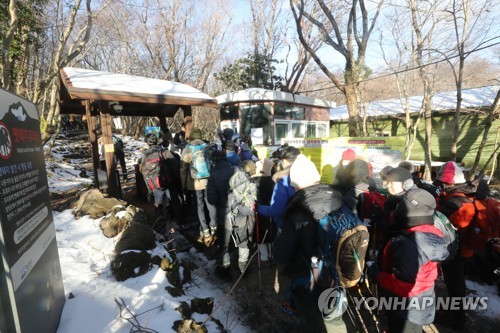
495	109
5	65
351	95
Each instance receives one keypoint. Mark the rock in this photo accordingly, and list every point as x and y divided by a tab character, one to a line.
165	264
130	264
189	326
111	225
136	237
186	273
184	310
174	292
202	305
95	204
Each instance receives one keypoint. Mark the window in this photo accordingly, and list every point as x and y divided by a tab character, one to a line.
288	112
281	132
256	116
321	130
229	112
297	130
311	130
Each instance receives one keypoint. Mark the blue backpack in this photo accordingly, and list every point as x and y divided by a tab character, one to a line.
343	243
200	161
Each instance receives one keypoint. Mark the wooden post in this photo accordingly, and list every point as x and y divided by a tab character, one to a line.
163	124
91	127
109	151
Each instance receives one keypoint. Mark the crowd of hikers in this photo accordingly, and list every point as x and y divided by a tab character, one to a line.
395	235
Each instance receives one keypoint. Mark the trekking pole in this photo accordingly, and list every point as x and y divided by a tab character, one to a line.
258	249
358	314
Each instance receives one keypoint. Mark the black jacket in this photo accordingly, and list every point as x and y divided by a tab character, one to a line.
297	242
218	188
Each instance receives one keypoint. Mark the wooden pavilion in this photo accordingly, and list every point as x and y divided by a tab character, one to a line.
104	94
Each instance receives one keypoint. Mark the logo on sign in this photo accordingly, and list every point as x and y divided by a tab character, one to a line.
5	142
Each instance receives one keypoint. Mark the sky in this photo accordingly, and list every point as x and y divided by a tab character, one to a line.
85	256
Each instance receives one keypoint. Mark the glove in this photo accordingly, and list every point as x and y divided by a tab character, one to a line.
372	270
367	223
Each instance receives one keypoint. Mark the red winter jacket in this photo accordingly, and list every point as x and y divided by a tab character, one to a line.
409	267
460	210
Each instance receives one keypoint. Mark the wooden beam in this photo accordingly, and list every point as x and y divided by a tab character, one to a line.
109	151
91	126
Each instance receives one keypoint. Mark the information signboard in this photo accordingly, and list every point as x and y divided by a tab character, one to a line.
32	292
326	153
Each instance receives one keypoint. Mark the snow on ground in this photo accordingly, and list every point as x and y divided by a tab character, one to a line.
85	255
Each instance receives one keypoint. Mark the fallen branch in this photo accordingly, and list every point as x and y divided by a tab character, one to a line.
136	326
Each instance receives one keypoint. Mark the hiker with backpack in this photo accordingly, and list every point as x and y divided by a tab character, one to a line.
160	170
398	181
297	244
408	265
264	225
233	192
457	202
195	170
283	189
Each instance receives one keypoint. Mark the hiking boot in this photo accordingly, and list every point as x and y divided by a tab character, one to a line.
223	273
208	240
288	309
242	265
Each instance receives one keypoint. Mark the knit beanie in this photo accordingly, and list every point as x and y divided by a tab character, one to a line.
195	134
303	173
451	173
384	171
349	155
407	165
358	171
416	208
398	174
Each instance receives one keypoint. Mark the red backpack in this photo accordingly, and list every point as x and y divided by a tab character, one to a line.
484	225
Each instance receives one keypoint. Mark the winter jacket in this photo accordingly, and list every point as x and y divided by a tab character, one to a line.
187	181
265	187
218	188
409	267
460	210
233	158
296	242
283	190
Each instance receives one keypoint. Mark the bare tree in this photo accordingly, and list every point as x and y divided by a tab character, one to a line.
346	29
471	26
68	48
493	113
6	63
424	18
401	63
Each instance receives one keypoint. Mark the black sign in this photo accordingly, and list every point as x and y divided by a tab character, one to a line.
27	234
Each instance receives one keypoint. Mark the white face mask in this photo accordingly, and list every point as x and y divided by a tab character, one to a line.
345	163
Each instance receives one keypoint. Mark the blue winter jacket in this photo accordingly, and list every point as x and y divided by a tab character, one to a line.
282	192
